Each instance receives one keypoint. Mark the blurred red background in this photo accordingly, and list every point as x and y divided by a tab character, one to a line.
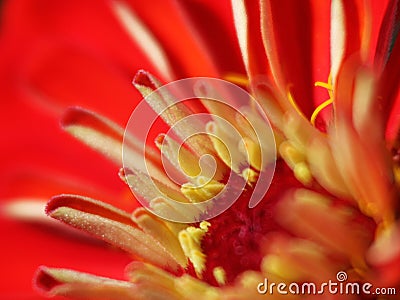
54	54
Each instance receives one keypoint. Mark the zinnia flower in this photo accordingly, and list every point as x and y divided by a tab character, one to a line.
333	202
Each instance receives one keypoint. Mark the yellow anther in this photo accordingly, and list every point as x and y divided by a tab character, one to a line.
195	233
219	275
193	194
253	151
302	173
222	151
203	191
190	240
209	188
198	260
250	175
297	162
198	233
204	225
290	154
237	79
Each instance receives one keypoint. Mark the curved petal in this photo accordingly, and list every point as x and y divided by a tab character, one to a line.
111	225
246	15
388	34
290	59
184	50
63	282
216	37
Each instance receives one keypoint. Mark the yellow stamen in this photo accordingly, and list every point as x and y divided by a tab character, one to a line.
319	109
296	160
326	85
235	78
219	275
204	190
219	146
253	151
159	230
190	240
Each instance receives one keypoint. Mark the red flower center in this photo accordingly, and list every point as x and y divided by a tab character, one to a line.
235	238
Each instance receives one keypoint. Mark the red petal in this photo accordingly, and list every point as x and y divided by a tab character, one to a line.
215	32
77	285
111	225
246	17
185	50
287	36
388	34
89	206
387	61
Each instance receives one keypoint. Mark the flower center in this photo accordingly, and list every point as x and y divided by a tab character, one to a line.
233	243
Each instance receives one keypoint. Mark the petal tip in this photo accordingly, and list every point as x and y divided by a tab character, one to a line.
71	116
44	282
54	203
144	78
